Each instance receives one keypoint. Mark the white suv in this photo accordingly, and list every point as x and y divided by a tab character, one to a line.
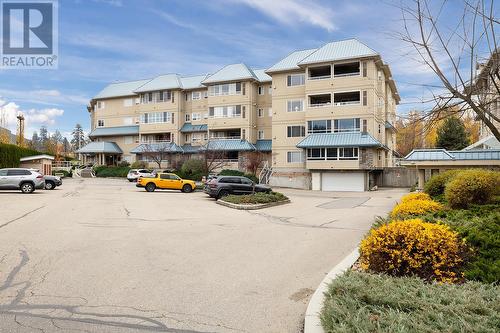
21	179
133	174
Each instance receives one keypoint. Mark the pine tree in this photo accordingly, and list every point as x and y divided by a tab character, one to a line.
57	137
35	141
66	145
452	135
78	139
44	137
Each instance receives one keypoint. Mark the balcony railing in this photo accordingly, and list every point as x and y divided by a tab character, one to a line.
320	105
225	138
321	77
347	103
346	74
155	141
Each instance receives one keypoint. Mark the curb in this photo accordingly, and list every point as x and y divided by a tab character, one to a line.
312	322
251	206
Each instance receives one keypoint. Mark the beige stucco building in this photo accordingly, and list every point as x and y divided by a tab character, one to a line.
323	118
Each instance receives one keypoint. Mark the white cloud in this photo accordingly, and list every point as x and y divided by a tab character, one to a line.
291	12
47	97
115	3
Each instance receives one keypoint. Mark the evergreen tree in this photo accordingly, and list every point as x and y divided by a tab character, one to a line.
44	137
35	141
452	135
78	139
57	137
66	145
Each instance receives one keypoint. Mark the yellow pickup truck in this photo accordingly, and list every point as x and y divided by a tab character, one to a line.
166	181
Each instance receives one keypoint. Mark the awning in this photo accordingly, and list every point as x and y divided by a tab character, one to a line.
264	145
189	149
229	145
115	131
323	140
168	147
189	128
100	147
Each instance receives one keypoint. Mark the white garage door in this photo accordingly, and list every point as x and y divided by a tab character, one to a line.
343	181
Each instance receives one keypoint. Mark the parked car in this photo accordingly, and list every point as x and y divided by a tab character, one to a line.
166	181
134	174
21	179
51	182
221	186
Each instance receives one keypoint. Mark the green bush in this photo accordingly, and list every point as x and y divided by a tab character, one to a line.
365	303
435	186
138	165
10	155
193	169
256	198
123	164
105	171
63	172
229	172
474	186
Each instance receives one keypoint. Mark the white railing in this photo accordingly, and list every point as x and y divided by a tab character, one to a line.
347	74
320	105
155	141
265	173
225	138
347	103
321	77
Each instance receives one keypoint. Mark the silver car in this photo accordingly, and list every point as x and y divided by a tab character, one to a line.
21	179
133	174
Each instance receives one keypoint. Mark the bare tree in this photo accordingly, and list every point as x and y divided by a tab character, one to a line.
214	157
452	52
253	161
157	152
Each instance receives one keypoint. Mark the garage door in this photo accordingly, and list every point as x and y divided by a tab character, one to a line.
343	181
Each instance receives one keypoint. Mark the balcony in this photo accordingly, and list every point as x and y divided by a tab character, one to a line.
347	98
345	70
320	72
321	100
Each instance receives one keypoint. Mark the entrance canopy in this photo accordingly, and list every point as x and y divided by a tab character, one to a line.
100	147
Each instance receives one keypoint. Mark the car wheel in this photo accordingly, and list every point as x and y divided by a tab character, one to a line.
27	188
187	188
50	185
150	187
223	193
131	180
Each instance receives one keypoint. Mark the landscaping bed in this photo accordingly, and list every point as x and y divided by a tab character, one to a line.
432	265
254	201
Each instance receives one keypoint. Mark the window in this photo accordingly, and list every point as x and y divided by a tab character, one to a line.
296	131
225	89
100	123
320	72
196	116
243	134
320	100
270	112
365	97
331	153
365	125
128	102
348	69
186	138
188	117
346	98
295	106
195	95
260	135
260	90
260	113
379	153
225	111
346	125
295	80
348	153
319	126
270	91
18	172
379	129
294	157
316	154
365	69
156	117
100	105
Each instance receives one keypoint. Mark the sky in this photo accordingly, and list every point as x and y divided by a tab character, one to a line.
103	41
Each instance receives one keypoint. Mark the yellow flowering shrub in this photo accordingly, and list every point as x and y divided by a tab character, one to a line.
413	247
415	196
473	186
407	208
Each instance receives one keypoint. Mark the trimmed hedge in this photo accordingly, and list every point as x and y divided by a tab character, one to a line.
105	171
256	198
10	155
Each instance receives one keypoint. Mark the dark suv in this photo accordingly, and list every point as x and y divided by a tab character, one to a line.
221	186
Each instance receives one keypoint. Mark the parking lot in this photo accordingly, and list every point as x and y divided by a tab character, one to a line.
100	255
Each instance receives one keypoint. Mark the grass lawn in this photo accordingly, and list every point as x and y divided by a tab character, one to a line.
362	302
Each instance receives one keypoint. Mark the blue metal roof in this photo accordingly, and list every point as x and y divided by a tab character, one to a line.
489	142
168	81
189	149
264	145
120	89
229	145
444	155
193	82
344	49
388	125
113	131
168	147
355	139
189	128
231	72
262	76
95	147
290	61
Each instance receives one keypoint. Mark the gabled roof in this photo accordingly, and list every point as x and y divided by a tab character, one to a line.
489	142
290	61
162	82
428	154
36	157
229	145
193	82
262	76
189	128
231	72
100	147
168	147
112	131
120	89
264	145
344	49
324	140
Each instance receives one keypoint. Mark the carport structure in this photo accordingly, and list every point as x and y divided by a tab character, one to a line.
101	152
439	160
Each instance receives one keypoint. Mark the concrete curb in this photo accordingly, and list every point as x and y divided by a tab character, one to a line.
251	206
312	323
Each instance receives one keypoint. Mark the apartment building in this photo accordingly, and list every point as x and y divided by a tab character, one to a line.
323	118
